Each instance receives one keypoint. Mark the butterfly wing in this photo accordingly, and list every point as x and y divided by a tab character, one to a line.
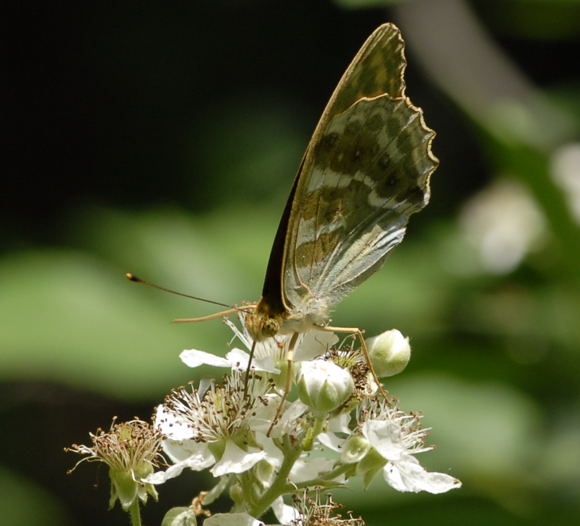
365	171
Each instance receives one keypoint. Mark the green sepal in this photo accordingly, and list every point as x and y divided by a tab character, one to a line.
369	476
370	465
123	487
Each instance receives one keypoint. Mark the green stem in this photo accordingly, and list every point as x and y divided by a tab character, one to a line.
135	513
308	442
279	486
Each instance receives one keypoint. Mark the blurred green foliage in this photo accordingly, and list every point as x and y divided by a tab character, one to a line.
496	363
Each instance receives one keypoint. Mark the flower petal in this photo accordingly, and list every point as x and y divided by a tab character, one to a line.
284	513
274	455
195	358
408	475
331	441
236	460
239	360
291	413
159	477
196	462
264	414
339	424
310	469
385	437
314	344
172	425
197	454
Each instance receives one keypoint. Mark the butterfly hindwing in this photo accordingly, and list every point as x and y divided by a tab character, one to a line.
356	199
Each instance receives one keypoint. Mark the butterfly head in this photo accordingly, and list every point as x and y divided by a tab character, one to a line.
264	322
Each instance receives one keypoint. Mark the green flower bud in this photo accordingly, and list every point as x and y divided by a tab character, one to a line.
180	516
390	352
355	449
323	385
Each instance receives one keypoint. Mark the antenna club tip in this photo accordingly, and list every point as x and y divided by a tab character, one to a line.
131	277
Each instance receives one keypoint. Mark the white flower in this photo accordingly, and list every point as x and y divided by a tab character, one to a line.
397	438
268	354
207	428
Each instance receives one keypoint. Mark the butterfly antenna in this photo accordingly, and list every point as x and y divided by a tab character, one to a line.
132	277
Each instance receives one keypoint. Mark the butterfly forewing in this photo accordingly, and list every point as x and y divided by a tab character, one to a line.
365	171
377	68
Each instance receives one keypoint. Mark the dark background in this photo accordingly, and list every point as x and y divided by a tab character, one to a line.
162	138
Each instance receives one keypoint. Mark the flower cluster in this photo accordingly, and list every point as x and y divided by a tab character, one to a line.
264	445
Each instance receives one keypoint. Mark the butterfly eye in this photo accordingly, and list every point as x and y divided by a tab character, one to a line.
270	327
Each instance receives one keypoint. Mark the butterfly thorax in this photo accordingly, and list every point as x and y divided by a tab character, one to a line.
266	321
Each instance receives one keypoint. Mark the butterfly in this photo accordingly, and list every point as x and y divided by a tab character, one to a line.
365	171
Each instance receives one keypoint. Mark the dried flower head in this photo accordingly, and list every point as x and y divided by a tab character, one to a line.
314	511
131	450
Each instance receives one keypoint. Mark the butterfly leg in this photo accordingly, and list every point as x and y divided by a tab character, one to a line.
288	381
359	334
249	367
